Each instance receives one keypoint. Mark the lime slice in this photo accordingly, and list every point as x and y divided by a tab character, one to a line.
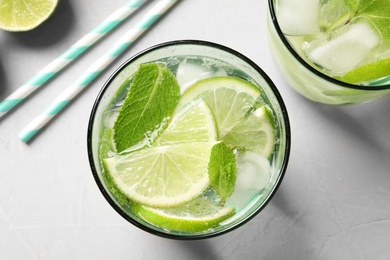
24	15
174	171
196	216
229	98
193	123
254	133
368	72
162	176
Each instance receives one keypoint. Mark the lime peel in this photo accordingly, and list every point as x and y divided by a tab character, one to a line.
198	215
368	72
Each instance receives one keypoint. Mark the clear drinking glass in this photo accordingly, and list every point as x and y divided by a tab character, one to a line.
173	52
310	82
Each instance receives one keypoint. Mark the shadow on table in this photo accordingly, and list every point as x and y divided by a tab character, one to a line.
47	34
3	81
289	239
367	122
201	249
53	30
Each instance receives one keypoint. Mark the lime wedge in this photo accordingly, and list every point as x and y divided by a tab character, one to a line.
196	216
24	15
368	72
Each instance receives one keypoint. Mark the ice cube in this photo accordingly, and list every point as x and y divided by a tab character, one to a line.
253	174
333	12
189	72
298	17
345	48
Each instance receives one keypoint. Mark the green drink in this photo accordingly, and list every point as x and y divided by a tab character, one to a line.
332	51
188	140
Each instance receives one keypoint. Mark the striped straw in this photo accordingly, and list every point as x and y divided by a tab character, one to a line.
75	51
381	81
92	72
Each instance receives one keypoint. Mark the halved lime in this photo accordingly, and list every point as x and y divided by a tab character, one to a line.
196	216
24	15
230	98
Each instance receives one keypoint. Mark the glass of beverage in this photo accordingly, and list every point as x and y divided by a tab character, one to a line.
332	51
188	140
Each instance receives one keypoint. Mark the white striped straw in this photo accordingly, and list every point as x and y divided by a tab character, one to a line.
381	81
92	72
75	51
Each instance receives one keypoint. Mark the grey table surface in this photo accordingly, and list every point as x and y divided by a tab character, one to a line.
334	202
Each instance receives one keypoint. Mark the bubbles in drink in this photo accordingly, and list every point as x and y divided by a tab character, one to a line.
170	174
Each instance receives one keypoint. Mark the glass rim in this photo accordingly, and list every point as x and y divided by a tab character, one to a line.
188	236
311	68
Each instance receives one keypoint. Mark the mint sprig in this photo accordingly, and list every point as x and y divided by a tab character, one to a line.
152	97
378	11
222	170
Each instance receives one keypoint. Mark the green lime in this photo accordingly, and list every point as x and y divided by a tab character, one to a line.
368	72
240	122
193	123
162	176
175	171
254	133
196	216
24	15
229	98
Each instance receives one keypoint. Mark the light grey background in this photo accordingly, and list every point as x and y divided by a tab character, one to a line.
334	202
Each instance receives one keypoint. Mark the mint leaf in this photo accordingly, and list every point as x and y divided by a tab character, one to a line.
378	11
356	6
152	97
222	170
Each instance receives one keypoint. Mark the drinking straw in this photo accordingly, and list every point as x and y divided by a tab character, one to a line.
381	81
75	51
36	125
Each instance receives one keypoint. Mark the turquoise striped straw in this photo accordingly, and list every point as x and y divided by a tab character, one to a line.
381	81
75	51
92	72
